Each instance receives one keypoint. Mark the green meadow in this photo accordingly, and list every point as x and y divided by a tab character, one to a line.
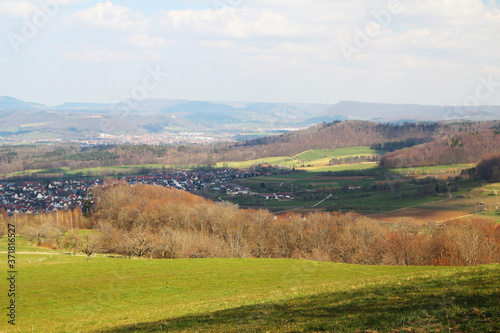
310	158
119	170
449	169
63	293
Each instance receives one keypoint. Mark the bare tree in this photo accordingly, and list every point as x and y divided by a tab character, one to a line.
165	244
90	243
403	242
142	241
71	240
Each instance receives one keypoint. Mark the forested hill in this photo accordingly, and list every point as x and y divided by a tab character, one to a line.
325	136
350	134
470	147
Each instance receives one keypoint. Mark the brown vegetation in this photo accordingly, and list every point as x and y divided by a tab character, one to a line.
324	136
423	214
489	168
160	222
458	149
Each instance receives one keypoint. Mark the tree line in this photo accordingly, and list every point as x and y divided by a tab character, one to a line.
462	148
324	136
397	145
489	169
156	222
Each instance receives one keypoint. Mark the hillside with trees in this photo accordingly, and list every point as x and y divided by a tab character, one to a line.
325	136
489	169
150	221
470	147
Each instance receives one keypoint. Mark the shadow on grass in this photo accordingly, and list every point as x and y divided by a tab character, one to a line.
468	302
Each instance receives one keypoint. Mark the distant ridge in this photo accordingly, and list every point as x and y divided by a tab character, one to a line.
22	119
82	106
11	103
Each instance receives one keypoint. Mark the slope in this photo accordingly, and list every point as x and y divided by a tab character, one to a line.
463	148
65	293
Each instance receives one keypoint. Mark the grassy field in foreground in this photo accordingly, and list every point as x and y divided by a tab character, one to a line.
62	293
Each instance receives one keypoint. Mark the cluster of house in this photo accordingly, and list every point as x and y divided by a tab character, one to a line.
32	197
193	180
233	190
277	196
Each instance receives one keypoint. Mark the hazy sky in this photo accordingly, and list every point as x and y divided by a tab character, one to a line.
443	52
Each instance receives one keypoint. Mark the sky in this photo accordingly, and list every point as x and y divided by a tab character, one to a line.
433	52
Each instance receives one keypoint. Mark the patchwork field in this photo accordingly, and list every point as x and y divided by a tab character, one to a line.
423	214
434	170
308	159
63	293
111	171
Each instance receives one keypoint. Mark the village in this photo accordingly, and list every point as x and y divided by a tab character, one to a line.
31	197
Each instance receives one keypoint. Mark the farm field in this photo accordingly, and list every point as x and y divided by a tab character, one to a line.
308	159
372	203
371	197
440	169
63	293
378	191
364	166
420	213
109	171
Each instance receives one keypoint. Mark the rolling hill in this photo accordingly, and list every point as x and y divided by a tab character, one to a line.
64	293
91	120
469	147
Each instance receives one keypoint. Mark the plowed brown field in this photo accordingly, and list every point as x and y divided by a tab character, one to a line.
423	214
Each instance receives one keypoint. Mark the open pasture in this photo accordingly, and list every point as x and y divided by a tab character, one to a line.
63	293
307	160
454	169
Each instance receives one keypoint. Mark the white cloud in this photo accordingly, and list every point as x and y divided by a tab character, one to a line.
93	53
146	41
229	22
114	17
25	8
101	54
17	8
286	43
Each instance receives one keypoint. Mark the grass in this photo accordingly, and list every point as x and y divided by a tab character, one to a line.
11	129
40	136
35	125
311	158
455	168
39	171
63	293
314	155
121	170
400	192
347	167
427	304
382	201
248	164
114	169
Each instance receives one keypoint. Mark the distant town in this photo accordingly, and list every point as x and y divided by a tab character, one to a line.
146	139
31	197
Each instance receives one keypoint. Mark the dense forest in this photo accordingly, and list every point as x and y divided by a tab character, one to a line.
489	169
156	222
470	147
